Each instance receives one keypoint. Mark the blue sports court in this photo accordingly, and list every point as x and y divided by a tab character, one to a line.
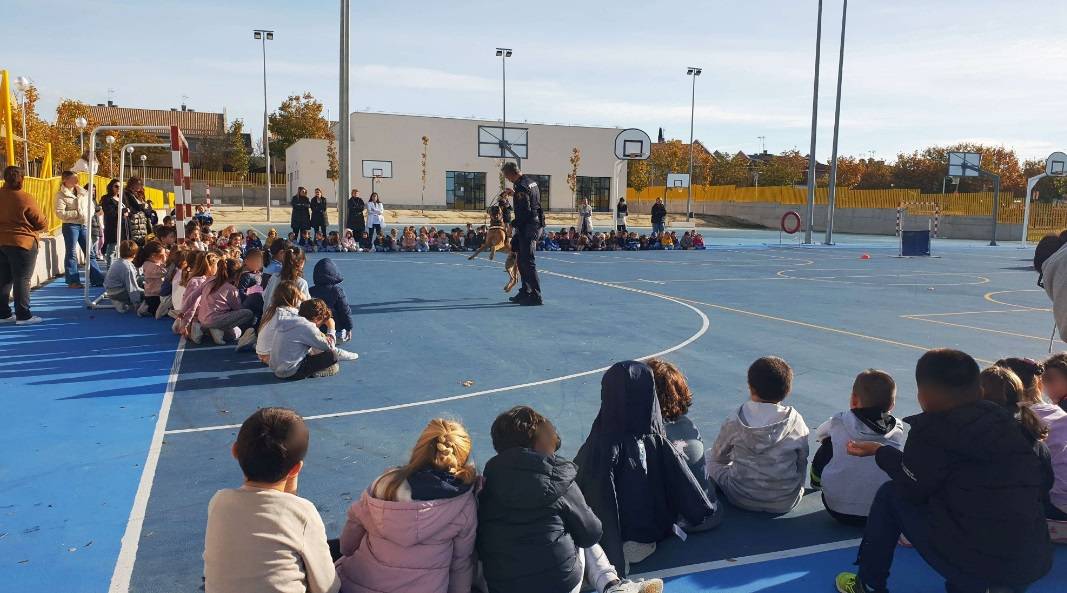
118	434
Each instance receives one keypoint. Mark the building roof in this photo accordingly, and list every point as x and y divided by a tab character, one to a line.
487	120
192	123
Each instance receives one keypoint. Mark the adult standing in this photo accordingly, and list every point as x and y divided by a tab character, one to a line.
21	220
529	220
135	215
659	217
73	206
585	216
300	219
355	220
318	213
111	203
377	215
620	215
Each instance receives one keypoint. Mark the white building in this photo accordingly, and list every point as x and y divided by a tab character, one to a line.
457	177
306	164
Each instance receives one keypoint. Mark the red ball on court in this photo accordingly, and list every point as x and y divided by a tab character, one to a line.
865	256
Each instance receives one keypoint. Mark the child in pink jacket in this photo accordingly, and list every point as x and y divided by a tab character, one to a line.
414	528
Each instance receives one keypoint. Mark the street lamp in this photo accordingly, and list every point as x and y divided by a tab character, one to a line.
504	53
22	85
80	123
110	153
694	72
129	151
264	36
144	168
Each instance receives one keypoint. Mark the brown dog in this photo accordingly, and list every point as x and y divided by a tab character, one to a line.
497	239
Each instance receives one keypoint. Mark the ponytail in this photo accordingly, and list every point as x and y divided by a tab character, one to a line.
444	445
287	294
292	263
1002	386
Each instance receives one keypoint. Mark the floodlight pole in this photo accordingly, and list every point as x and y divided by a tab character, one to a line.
263	35
505	146
694	72
832	190
344	180
809	219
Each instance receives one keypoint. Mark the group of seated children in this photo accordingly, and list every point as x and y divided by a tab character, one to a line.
572	240
971	487
227	293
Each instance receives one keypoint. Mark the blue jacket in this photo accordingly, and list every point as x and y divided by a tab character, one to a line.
328	288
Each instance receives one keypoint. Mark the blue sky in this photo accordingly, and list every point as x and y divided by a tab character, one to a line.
916	72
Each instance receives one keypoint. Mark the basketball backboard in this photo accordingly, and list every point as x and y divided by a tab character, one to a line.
1056	165
677	179
964	164
379	169
491	142
633	145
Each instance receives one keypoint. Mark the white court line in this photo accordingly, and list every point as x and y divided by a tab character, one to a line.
131	539
704	325
743	560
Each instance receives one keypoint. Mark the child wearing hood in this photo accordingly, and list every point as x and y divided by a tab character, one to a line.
536	533
635	480
328	288
414	528
760	457
849	483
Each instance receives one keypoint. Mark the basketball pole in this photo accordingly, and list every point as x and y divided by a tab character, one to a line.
809	219
343	145
832	189
1030	184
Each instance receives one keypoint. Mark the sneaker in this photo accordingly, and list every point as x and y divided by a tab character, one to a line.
533	300
641	586
328	371
848	582
120	306
519	298
635	552
31	321
196	333
345	356
247	339
218	336
903	542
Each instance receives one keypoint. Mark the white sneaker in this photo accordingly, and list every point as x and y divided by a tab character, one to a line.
328	371
344	355
31	321
218	336
642	586
248	338
196	333
120	307
8	319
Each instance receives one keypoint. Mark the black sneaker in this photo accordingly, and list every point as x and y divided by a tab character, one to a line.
519	298
533	300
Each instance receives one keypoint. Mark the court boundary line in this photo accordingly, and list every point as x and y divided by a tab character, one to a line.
131	537
709	566
704	327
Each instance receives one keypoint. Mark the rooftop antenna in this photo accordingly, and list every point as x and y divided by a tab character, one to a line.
110	96
185	99
762	143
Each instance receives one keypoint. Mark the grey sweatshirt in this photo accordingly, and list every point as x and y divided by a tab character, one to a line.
294	337
761	468
122	277
1054	271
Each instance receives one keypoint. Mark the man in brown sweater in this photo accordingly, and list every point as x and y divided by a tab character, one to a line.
21	220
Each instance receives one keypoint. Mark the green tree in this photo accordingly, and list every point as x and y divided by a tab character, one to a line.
238	153
299	116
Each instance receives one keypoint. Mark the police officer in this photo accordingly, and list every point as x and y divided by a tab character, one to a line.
529	220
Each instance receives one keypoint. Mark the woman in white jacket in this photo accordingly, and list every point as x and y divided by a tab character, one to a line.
73	206
377	215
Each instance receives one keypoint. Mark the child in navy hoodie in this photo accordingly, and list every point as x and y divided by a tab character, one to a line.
328	288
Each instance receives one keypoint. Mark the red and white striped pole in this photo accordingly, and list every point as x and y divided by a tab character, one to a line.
179	181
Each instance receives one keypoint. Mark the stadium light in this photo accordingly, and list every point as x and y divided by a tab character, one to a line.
504	53
265	35
694	72
81	123
22	85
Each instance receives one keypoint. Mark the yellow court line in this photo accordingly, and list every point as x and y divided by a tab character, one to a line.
974	327
824	328
989	297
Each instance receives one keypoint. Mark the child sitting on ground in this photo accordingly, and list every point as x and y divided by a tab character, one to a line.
626	446
849	483
1054	381
414	528
409	240
120	283
174	263
285	302
201	273
262	536
252	240
152	261
698	241
424	242
535	531
251	274
328	288
292	269
348	242
965	491
760	457
307	242
442	241
674	396
219	310
1055	418
667	240
301	350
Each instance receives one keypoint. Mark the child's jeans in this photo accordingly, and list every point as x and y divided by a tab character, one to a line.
127	298
241	318
597	569
890	516
314	363
153	304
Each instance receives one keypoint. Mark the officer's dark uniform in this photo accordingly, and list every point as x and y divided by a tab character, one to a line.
529	219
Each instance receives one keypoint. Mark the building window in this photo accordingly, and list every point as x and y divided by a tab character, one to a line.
465	190
543	183
597	190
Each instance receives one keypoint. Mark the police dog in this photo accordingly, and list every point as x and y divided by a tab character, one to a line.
497	238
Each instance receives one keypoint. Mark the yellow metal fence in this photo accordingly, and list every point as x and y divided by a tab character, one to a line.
44	192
